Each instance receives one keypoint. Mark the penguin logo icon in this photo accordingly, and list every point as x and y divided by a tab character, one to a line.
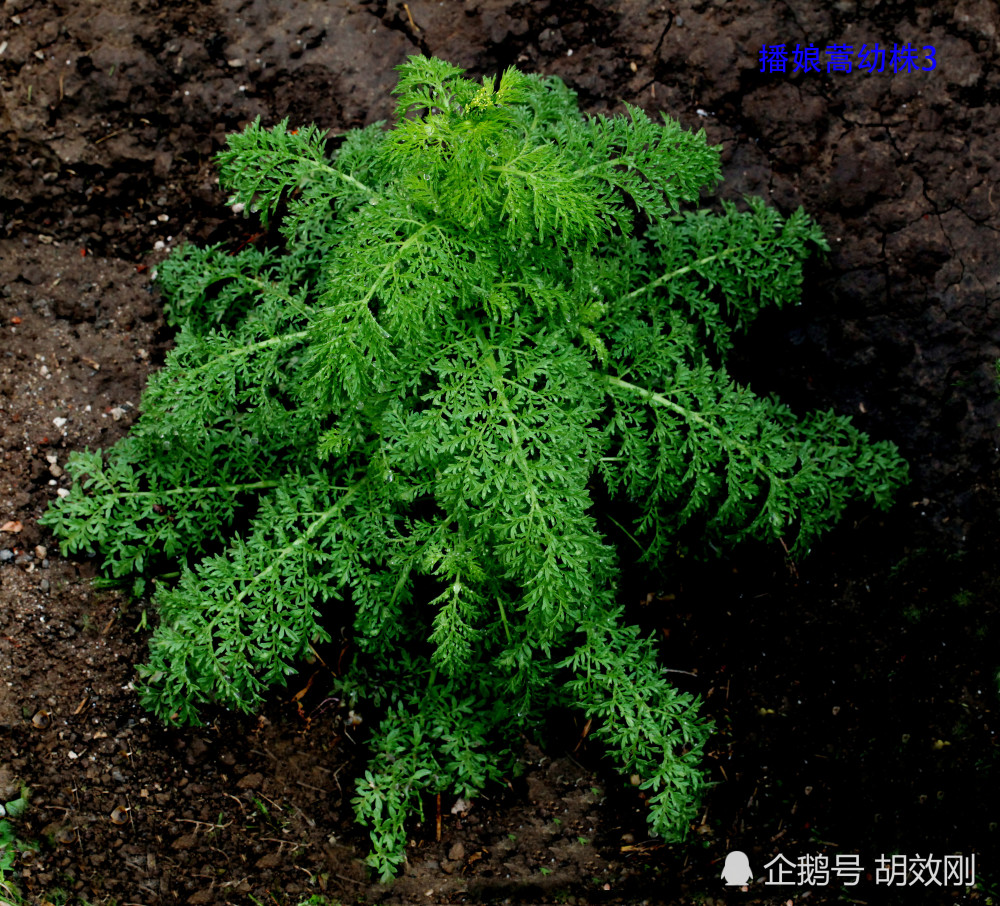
737	872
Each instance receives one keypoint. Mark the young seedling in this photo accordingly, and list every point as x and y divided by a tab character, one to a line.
401	415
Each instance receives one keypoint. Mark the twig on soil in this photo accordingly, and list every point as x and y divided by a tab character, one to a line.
204	823
413	24
109	135
309	786
292	843
349	880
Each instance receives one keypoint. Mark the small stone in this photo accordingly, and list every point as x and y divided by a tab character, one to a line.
457	851
51	458
41	551
44	585
117	413
63	492
60	421
236	63
55	471
6	555
13	527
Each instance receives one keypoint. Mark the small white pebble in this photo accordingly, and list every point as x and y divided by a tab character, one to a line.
59	422
158	245
63	492
117	413
238	208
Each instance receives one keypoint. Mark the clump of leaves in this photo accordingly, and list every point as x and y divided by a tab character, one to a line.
478	321
11	846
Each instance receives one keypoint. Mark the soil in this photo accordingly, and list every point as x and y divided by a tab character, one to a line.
854	691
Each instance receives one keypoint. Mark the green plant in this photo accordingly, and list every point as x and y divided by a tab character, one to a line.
11	846
400	413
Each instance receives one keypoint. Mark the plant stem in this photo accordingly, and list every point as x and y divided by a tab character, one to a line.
679	272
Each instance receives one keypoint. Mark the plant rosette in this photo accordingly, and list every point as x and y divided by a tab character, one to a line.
466	330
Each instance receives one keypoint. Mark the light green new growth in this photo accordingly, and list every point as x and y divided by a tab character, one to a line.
478	321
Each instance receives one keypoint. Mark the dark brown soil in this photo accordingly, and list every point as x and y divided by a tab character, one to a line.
855	691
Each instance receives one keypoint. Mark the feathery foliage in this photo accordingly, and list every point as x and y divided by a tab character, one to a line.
476	320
